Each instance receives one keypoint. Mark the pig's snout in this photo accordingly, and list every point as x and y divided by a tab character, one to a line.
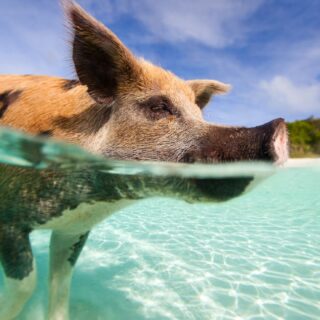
268	142
276	144
281	143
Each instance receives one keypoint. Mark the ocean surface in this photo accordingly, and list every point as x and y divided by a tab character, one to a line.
256	256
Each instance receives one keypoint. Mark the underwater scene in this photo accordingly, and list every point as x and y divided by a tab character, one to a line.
248	251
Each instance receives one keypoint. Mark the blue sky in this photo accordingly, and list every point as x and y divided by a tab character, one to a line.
269	50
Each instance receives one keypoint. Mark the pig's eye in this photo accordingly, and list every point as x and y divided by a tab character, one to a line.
158	107
162	107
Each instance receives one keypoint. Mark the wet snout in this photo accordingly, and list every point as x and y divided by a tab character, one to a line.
268	142
276	144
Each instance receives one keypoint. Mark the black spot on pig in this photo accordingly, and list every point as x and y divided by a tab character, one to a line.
7	98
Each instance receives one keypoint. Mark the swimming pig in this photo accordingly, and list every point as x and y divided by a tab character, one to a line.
121	107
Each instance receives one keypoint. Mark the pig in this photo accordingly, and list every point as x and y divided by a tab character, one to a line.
121	107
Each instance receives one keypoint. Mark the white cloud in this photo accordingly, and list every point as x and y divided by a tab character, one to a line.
110	10
216	23
293	97
34	38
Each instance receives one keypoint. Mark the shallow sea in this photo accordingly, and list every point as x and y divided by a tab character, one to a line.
256	256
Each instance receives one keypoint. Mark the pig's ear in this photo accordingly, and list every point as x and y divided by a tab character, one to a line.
101	60
205	89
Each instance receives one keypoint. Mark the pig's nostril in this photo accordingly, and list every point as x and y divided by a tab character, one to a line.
279	142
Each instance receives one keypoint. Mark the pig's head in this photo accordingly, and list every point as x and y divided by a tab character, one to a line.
148	113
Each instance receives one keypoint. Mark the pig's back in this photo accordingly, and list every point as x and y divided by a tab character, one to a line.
33	103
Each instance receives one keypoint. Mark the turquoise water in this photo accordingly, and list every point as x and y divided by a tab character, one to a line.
256	256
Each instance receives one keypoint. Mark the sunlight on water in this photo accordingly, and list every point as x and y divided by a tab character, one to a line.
256	256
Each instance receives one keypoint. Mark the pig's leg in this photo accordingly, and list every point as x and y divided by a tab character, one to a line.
64	251
19	271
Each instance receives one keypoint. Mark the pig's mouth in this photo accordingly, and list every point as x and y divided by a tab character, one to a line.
268	142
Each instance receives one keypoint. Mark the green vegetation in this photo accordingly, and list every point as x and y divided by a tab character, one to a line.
305	138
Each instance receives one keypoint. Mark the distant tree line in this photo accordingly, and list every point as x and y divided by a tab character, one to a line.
305	138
